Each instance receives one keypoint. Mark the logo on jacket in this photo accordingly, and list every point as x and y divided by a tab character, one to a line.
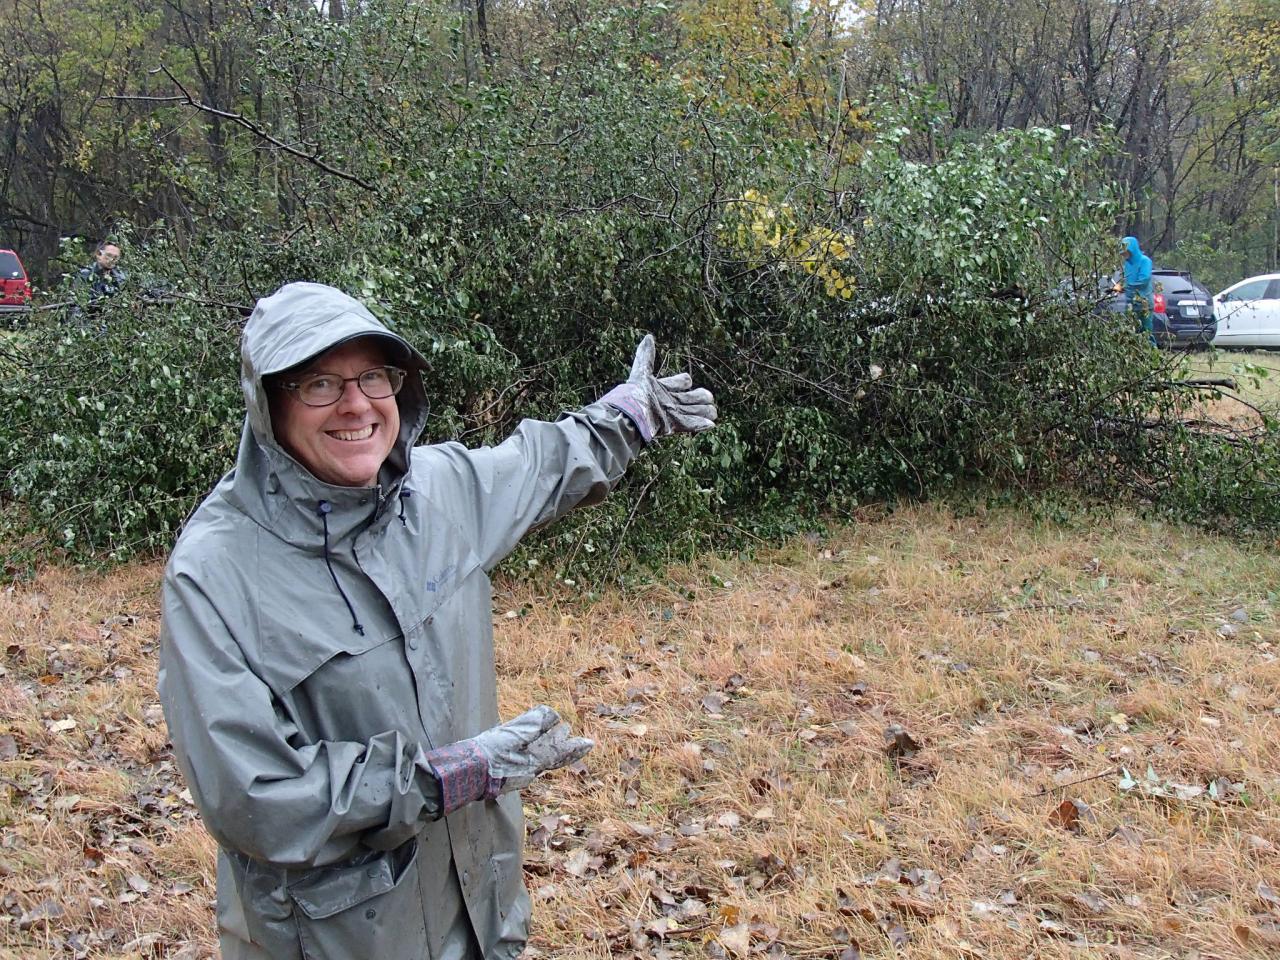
439	581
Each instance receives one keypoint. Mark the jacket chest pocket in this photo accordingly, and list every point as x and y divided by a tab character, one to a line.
371	909
432	586
303	624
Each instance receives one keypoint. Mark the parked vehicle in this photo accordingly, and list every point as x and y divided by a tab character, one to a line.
15	288
1187	317
1248	313
1097	292
1181	308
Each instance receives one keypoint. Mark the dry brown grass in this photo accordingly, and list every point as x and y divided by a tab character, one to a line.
743	796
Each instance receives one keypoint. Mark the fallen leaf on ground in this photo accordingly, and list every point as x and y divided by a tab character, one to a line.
947	926
730	914
736	939
899	743
1262	932
1070	814
713	703
577	862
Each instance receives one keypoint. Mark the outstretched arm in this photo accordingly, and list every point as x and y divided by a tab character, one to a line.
543	470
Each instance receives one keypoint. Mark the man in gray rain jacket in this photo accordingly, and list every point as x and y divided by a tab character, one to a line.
326	661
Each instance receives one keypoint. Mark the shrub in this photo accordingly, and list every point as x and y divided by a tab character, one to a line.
883	329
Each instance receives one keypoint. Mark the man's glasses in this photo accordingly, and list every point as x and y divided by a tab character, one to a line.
325	389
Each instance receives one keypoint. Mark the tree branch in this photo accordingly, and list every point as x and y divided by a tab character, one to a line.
240	119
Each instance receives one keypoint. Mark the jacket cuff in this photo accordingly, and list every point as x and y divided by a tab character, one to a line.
624	397
463	772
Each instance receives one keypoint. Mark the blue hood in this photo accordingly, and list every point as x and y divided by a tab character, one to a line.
1137	269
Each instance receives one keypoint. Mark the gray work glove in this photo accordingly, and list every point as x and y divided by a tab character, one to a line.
661	405
504	758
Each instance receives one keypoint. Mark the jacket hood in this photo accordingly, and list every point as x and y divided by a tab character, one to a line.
1137	266
296	323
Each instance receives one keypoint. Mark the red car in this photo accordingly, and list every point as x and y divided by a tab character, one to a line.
15	288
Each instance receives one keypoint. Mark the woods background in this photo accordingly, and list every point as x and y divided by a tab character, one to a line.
1186	87
875	230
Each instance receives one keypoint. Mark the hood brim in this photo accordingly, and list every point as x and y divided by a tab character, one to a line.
298	323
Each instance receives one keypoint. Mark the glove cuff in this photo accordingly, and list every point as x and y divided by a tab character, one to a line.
625	398
463	772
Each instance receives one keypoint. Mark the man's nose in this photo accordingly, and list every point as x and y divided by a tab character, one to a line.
353	398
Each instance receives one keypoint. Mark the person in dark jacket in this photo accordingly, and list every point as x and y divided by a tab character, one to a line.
103	277
326	660
96	282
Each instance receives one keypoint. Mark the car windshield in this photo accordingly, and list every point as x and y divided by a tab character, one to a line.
10	268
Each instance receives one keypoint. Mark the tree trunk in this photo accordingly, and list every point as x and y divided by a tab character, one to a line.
482	28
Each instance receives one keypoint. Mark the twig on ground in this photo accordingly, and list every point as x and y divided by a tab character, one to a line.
1045	791
1073	604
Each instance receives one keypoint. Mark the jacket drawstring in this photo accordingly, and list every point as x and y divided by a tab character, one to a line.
323	507
404	495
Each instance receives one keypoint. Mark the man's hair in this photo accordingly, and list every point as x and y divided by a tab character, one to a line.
106	243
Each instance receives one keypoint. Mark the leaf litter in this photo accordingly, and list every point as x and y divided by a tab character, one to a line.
781	772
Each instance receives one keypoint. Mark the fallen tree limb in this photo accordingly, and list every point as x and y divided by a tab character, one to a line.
1200	383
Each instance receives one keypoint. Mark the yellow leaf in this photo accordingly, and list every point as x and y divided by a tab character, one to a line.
730	913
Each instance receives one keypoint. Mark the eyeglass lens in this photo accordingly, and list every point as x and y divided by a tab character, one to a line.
323	389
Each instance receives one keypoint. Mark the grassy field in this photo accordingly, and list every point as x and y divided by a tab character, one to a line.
931	735
1257	372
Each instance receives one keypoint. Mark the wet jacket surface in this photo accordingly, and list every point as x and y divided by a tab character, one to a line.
101	282
301	737
1137	274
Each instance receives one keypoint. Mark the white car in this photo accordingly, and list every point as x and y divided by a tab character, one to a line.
1248	313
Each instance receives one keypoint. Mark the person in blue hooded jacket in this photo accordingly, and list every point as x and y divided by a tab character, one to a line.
1138	287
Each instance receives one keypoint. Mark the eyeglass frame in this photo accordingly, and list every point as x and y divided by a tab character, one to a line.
294	386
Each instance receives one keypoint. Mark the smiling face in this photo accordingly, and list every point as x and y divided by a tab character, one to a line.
107	256
345	443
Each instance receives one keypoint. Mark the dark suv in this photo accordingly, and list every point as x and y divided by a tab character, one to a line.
1187	318
1182	314
1098	293
15	288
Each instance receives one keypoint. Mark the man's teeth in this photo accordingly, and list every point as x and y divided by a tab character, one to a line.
362	434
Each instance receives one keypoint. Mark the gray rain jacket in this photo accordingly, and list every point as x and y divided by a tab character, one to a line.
301	737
